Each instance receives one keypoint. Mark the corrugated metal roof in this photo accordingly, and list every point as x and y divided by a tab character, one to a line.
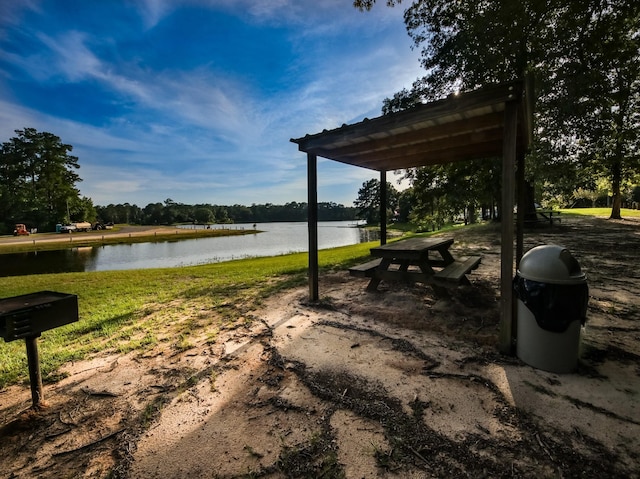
465	126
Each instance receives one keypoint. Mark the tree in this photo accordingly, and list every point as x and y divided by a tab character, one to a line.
584	55
204	215
368	201
37	179
601	79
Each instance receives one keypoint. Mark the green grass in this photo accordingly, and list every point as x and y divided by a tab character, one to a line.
604	212
121	311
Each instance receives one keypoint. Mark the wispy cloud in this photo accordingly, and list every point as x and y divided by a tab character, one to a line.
201	133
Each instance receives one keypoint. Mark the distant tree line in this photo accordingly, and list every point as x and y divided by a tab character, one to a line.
171	212
38	178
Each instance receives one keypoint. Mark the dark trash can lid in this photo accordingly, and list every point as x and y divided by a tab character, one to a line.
551	264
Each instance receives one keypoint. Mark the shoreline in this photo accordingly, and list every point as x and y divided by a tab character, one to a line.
127	234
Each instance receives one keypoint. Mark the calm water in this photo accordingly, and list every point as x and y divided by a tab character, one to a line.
275	239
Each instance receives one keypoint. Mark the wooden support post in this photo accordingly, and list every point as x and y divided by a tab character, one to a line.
383	207
521	208
35	377
506	248
312	223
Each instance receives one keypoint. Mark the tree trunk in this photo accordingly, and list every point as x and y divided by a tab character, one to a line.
622	98
530	215
616	179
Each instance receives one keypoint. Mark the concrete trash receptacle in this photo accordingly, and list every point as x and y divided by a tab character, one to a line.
552	295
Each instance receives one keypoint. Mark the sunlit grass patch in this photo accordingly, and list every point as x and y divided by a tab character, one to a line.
601	212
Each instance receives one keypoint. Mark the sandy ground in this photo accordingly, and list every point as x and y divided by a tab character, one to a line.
393	384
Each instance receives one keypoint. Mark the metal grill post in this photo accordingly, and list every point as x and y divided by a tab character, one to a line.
35	377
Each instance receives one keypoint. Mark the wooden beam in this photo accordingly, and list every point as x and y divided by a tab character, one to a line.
506	248
312	223
455	153
468	141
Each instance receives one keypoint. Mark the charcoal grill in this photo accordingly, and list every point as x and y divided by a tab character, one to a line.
26	317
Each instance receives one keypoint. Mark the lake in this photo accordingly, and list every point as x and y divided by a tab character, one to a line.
274	239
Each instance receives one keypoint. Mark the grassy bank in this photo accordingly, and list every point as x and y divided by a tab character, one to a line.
57	241
125	310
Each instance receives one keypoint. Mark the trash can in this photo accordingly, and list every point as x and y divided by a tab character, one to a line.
552	295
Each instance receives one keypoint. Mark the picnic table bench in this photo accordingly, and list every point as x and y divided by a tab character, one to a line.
414	260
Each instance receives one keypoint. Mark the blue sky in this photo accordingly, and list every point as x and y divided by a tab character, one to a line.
196	100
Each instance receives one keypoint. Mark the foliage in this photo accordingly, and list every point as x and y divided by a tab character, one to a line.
172	212
368	201
452	190
38	182
600	81
38	188
584	57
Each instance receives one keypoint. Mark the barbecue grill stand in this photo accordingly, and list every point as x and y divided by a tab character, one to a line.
26	317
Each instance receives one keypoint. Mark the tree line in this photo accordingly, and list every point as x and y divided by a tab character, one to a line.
171	212
38	188
582	58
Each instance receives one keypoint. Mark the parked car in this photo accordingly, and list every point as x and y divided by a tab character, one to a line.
67	228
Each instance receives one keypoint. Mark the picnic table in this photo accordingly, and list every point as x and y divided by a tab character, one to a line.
423	260
549	216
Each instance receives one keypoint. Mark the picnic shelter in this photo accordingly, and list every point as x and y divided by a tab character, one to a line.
494	121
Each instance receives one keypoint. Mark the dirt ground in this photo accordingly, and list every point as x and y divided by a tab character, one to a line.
393	384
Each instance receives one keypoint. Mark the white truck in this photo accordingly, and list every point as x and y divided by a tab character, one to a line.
73	227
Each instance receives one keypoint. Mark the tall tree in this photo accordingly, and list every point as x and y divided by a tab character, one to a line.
38	178
598	83
584	55
368	201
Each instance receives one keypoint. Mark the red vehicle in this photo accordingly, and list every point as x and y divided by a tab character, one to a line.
20	230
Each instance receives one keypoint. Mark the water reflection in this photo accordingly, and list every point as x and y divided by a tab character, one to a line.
276	239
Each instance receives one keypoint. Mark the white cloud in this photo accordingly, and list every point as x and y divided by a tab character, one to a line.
12	12
72	58
152	11
202	135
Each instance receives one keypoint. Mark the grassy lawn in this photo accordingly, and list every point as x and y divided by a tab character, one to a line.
122	311
603	212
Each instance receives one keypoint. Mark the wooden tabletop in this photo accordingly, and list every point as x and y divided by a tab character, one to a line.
415	245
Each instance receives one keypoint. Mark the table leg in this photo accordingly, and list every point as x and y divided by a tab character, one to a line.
446	255
375	279
426	269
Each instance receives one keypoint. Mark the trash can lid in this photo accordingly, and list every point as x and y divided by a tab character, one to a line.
551	264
